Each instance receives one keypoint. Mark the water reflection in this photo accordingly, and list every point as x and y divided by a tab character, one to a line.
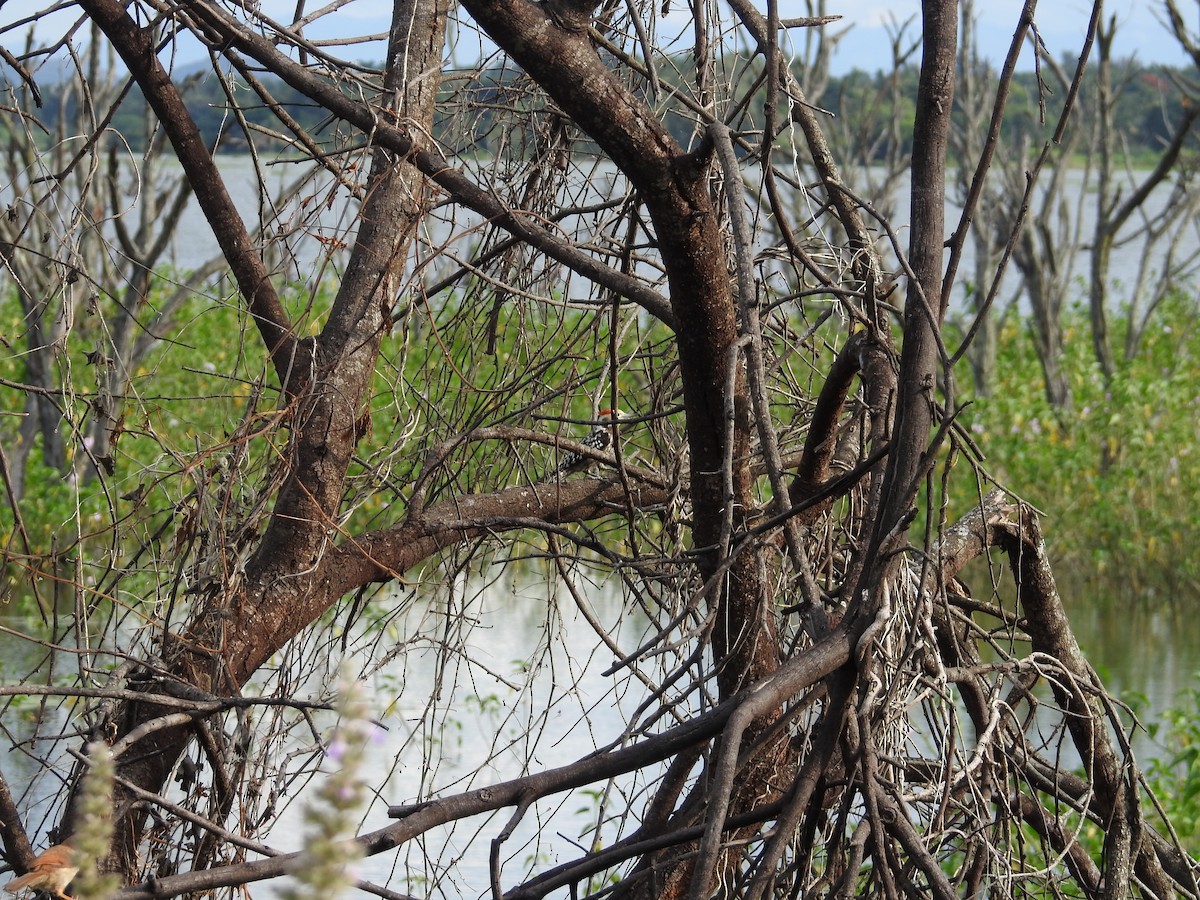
1139	648
30	723
485	680
492	681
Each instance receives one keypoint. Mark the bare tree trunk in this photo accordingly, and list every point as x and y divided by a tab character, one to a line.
923	310
1103	238
1118	199
1044	283
250	617
552	45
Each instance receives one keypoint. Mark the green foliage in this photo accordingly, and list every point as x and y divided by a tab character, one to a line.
205	399
183	397
1179	798
54	512
470	362
1173	774
1109	473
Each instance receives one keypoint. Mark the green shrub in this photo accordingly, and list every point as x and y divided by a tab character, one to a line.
1173	774
1118	473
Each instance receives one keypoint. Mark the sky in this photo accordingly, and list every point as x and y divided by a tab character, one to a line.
866	45
1062	24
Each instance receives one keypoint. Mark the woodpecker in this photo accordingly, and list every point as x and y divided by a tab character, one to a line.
599	438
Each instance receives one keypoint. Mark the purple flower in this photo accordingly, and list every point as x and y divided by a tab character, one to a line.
336	750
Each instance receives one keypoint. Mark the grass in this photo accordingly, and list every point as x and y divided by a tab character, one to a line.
1118	473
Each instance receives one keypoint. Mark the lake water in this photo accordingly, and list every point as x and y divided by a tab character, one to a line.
317	231
527	684
1141	649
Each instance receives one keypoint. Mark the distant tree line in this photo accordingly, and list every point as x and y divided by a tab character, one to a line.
876	107
1151	99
